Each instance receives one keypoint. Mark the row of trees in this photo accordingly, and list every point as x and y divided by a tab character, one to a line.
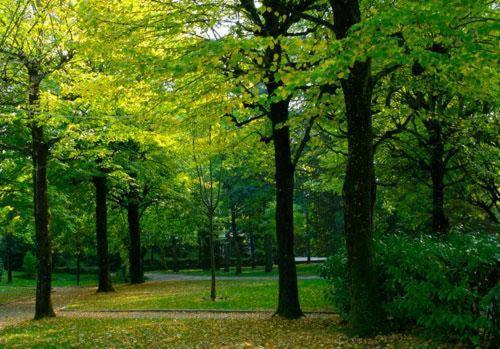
176	111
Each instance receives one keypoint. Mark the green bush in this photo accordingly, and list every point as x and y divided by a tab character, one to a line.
29	264
450	287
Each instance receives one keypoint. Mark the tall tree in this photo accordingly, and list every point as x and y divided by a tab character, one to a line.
38	38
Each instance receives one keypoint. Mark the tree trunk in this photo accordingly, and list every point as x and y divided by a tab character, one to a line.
78	257
236	239
43	306
227	253
135	255
40	154
358	196
175	261
308	237
253	261
269	253
101	214
288	299
440	223
365	311
9	275
212	257
8	257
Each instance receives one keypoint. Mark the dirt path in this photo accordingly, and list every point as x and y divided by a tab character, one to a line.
184	277
15	312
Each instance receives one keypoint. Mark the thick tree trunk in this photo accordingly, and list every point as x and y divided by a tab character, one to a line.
269	253
101	221
213	294
359	190
40	154
440	223
175	260
43	306
135	255
288	299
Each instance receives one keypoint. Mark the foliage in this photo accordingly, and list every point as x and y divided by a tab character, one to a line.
448	286
29	264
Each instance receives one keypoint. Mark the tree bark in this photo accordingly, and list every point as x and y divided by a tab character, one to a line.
135	255
40	154
440	223
288	296
101	214
359	190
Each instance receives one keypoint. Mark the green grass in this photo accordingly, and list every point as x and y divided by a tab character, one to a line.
237	294
23	286
302	270
193	333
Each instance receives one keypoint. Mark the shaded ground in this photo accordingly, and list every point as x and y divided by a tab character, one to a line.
177	328
24	309
195	333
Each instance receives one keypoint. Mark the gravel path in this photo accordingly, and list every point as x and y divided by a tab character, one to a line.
179	314
184	277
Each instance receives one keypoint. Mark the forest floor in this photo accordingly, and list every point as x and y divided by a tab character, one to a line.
178	314
247	332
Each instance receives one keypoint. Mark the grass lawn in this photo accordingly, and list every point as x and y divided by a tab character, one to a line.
23	286
302	270
237	294
194	333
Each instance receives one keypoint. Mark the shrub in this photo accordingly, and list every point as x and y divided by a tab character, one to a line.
29	264
449	286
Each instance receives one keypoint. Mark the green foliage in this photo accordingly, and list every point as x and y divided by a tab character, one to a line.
29	264
449	287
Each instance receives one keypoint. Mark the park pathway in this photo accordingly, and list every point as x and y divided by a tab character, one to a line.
154	276
179	314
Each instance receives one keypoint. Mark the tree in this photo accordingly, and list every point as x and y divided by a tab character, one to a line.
209	186
40	44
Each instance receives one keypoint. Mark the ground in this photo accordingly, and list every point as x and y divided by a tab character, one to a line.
174	311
